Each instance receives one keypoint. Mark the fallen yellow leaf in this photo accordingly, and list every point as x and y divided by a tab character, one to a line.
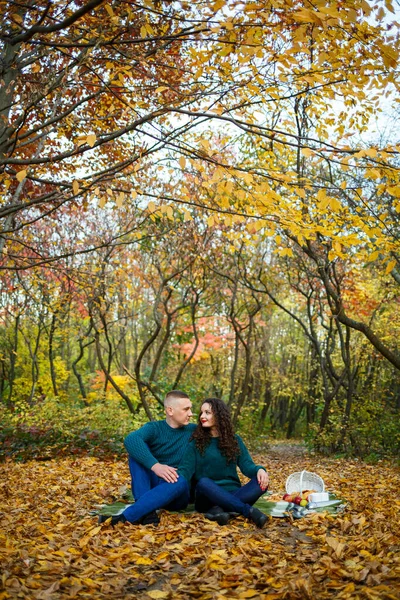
21	175
157	594
249	594
91	139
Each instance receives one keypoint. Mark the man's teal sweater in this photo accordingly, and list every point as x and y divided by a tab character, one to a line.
214	465
157	442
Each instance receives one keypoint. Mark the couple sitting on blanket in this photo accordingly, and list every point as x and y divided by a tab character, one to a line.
167	457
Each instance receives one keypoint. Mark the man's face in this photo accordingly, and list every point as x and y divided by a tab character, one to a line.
180	411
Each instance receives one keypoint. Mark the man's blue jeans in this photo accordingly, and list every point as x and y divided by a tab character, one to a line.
209	494
143	479
152	492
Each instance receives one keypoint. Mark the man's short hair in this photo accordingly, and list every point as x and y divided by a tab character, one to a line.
174	395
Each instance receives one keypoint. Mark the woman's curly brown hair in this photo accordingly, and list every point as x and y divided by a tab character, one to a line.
227	442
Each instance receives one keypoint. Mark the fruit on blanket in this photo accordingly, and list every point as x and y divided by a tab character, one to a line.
305	495
303	502
290	497
297	497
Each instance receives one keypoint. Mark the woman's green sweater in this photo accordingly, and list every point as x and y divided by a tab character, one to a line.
214	465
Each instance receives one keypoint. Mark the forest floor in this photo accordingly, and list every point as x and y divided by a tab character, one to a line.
52	548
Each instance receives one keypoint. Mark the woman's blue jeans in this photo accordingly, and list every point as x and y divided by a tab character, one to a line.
209	494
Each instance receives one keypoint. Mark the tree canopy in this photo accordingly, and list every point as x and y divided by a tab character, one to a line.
189	190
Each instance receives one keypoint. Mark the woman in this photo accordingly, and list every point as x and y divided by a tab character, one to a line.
212	459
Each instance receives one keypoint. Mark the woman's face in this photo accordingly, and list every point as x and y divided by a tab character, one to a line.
207	418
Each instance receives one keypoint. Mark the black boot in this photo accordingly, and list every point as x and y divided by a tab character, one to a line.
221	518
214	510
151	518
114	519
258	517
216	513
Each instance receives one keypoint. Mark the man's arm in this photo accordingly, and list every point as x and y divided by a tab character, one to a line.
137	446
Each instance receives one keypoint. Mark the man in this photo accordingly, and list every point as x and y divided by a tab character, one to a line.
155	451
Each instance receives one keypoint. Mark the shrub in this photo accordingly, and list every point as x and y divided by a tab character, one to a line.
56	427
373	430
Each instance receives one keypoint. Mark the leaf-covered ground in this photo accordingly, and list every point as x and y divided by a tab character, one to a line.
51	548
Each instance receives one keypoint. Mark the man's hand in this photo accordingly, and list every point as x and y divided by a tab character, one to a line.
167	473
263	479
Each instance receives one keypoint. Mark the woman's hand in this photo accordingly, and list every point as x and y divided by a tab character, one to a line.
263	479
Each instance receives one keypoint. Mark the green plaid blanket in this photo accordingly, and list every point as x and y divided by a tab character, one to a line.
274	509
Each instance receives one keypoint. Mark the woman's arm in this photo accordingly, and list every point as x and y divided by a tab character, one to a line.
187	466
262	478
249	468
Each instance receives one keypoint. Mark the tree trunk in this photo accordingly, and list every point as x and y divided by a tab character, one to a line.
295	411
234	370
13	358
196	343
267	401
34	359
110	378
247	372
51	355
76	372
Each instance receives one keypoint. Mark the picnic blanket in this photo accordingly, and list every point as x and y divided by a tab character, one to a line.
279	509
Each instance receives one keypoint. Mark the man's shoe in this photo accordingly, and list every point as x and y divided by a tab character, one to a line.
221	518
114	519
151	518
258	517
215	510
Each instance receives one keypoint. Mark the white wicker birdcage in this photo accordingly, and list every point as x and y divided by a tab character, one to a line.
304	480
